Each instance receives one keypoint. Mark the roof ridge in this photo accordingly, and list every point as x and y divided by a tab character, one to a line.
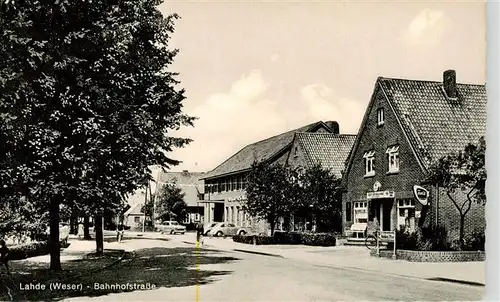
309	126
425	81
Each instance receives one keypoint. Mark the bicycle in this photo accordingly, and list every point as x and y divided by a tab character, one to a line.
372	238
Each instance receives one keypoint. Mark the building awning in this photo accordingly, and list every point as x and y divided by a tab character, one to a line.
211	201
358	227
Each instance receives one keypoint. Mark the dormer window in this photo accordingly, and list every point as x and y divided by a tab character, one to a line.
380	116
369	163
393	159
296	151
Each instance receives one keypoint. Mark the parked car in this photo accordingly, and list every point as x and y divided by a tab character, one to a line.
208	228
227	229
171	227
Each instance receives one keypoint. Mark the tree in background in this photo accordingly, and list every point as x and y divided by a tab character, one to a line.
271	192
170	203
321	197
87	104
460	173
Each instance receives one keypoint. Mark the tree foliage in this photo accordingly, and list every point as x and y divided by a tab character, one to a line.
170	203
87	103
462	173
271	192
322	197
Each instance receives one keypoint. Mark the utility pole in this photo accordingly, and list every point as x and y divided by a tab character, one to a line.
145	206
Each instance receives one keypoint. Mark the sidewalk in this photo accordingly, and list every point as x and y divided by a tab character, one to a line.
354	257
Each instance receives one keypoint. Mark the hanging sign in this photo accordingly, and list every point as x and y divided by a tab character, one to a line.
421	194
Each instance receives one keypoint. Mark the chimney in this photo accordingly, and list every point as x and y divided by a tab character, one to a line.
450	83
334	126
185	171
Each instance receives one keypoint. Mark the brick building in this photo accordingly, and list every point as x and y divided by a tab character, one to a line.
192	187
407	125
225	185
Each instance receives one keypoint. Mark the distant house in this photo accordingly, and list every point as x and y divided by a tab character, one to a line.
225	185
330	150
409	124
133	217
193	189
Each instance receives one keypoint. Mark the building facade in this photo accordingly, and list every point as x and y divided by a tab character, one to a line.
192	187
408	124
225	185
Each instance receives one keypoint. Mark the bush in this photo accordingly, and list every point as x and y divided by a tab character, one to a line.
24	251
406	240
319	239
474	242
313	239
425	239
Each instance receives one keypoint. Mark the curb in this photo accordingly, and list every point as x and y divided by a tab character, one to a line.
258	253
465	282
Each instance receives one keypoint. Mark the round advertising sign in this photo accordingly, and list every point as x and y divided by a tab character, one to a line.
421	194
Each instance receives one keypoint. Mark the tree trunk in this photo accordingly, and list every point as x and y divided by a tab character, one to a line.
54	245
461	234
273	225
99	238
86	228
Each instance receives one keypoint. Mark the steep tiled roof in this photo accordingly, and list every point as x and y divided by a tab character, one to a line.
328	149
189	182
259	151
134	210
434	124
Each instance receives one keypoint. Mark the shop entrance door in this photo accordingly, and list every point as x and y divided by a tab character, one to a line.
382	209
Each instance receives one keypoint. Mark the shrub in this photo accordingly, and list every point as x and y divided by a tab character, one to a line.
425	239
474	241
288	237
313	239
24	251
319	239
406	240
248	239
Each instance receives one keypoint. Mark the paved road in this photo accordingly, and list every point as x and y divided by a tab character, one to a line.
265	278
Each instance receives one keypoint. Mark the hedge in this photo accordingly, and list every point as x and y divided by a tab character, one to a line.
28	250
313	239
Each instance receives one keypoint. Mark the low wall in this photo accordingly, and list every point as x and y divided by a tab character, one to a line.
433	256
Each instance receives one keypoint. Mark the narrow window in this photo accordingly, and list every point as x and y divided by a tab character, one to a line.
380	117
369	163
393	159
348	211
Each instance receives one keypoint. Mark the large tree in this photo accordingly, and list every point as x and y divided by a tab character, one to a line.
87	102
271	192
463	177
321	197
170	202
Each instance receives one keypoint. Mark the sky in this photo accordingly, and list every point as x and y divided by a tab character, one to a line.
255	69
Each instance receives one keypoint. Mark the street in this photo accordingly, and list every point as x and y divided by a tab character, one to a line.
242	276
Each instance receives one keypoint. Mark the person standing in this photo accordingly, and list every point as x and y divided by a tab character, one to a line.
80	231
4	255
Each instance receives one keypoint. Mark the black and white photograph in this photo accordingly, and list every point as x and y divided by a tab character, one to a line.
236	150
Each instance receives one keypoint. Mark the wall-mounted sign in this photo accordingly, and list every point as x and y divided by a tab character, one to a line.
421	194
381	194
376	186
239	198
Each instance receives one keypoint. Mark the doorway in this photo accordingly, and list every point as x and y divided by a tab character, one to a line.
218	212
381	209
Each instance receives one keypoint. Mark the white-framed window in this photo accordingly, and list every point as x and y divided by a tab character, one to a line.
360	212
137	219
393	158
197	217
296	151
369	163
406	214
380	116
